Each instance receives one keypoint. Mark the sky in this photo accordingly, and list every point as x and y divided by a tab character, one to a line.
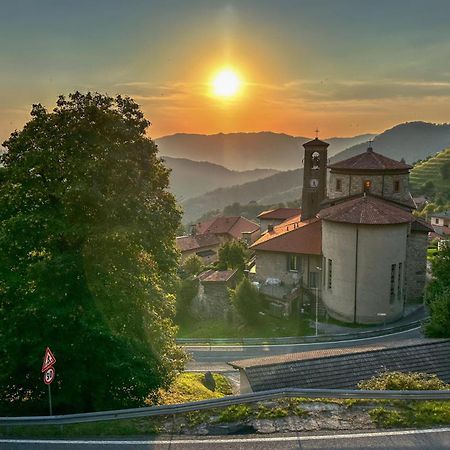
345	66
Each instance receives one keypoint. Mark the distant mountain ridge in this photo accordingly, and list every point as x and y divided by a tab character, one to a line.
412	141
247	151
192	178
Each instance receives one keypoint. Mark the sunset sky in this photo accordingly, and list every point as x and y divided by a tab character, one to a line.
345	66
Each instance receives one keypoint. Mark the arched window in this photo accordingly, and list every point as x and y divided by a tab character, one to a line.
315	160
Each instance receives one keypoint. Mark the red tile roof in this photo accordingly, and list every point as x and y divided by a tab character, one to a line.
293	236
234	226
279	213
216	276
186	243
367	210
369	160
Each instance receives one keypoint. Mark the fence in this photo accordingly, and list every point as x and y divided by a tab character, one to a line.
170	410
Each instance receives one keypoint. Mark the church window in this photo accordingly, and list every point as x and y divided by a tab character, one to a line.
367	185
399	281
315	160
293	263
338	185
396	186
392	298
330	273
313	276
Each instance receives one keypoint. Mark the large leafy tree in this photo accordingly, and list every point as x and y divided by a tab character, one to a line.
87	259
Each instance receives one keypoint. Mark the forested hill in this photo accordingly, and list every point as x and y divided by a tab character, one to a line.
247	151
192	178
412	141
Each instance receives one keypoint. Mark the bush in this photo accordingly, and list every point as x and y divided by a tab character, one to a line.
247	301
404	381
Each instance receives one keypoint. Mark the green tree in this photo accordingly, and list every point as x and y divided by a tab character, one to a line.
438	295
247	300
445	171
87	259
193	265
233	255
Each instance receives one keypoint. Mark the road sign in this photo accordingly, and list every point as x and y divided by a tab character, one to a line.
49	360
49	375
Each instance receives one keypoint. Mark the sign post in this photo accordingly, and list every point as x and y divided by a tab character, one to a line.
49	374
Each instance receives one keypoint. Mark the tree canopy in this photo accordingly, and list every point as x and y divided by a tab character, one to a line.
88	263
247	300
232	255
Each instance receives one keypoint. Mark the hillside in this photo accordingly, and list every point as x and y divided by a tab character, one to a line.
192	178
246	151
413	141
436	170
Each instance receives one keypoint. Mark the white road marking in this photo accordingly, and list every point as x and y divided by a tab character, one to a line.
232	347
227	440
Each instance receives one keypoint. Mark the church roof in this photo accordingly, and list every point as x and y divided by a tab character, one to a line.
369	160
293	236
316	142
366	210
279	213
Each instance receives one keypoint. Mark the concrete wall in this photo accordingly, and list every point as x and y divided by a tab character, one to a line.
382	185
416	265
362	256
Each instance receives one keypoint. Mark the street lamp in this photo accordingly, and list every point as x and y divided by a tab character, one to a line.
319	269
384	318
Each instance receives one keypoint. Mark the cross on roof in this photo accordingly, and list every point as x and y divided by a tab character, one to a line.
317	133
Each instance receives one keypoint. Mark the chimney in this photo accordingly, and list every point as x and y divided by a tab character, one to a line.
193	229
270	227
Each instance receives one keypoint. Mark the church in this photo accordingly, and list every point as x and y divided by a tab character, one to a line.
355	249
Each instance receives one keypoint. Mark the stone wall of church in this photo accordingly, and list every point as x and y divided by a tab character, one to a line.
416	265
381	185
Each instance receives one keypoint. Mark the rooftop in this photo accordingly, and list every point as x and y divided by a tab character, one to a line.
280	213
316	142
366	210
186	243
371	161
216	276
441	215
344	368
293	236
232	225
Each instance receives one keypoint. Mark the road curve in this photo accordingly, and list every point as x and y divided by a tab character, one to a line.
428	439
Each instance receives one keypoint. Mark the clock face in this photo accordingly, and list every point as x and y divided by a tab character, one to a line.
314	182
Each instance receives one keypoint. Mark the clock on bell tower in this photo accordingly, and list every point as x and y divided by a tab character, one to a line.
314	177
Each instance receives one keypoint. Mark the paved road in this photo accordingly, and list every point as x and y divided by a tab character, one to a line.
216	357
432	439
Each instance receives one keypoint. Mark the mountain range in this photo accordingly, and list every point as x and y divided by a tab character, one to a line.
411	141
247	151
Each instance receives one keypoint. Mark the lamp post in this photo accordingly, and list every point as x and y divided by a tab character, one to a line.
319	269
384	318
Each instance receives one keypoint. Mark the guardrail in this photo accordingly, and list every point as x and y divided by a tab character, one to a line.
301	339
169	410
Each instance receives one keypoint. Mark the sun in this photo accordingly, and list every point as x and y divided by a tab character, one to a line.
226	83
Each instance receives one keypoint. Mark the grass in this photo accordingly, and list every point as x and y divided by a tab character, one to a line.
266	327
429	170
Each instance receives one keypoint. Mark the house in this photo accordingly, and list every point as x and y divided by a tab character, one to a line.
207	237
441	219
343	368
212	299
356	249
276	216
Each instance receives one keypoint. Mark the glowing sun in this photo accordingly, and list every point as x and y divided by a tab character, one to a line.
226	83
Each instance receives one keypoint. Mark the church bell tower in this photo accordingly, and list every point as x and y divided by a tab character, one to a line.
314	177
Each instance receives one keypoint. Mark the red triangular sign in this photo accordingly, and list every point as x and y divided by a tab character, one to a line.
49	360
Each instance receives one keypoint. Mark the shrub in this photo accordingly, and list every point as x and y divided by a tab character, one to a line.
408	381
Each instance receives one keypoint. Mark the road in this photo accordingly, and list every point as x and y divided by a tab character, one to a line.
215	358
431	439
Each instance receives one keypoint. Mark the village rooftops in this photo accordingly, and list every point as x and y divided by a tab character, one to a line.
233	226
366	210
293	236
369	161
344	368
279	213
441	215
187	243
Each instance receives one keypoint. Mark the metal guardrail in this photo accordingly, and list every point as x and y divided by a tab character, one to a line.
300	339
169	410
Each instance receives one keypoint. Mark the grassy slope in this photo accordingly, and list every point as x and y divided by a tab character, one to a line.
430	171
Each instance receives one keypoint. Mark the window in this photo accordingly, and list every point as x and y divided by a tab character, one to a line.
396	186
399	282
330	273
392	298
313	276
367	184
315	160
436	221
338	185
293	263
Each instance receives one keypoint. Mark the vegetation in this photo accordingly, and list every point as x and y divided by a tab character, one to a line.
88	263
438	295
232	255
193	265
187	290
248	301
410	381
